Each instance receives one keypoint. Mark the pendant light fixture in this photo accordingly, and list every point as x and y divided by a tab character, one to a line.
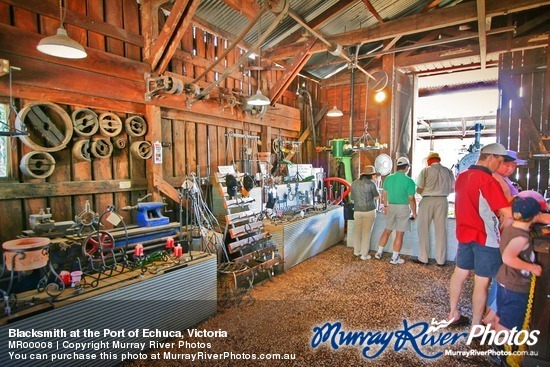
259	99
61	45
335	112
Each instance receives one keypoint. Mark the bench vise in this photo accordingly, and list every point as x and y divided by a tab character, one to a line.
149	214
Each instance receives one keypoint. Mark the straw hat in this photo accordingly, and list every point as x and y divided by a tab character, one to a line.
433	155
369	170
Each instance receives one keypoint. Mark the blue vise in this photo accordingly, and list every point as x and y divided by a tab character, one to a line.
149	215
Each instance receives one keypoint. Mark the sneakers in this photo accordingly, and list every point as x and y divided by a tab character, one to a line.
357	254
397	261
365	257
378	256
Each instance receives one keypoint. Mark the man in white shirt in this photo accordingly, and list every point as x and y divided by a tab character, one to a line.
435	182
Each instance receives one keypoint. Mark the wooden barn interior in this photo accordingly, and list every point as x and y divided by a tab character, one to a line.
116	159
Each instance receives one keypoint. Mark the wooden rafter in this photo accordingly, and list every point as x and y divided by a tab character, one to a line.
373	11
495	46
248	8
438	18
171	34
291	71
431	5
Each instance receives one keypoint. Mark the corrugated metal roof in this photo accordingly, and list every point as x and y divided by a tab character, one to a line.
356	16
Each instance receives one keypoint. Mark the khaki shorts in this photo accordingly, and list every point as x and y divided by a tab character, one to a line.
397	217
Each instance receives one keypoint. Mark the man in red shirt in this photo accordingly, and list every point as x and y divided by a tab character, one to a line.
479	199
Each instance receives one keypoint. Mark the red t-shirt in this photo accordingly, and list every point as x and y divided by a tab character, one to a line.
478	198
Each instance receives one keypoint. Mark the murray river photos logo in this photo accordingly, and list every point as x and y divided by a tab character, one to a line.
418	337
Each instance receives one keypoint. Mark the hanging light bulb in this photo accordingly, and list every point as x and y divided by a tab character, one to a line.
259	99
61	45
335	112
380	96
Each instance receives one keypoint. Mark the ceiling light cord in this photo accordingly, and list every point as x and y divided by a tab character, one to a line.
61	15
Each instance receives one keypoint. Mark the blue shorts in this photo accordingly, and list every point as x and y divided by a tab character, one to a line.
484	261
492	296
511	307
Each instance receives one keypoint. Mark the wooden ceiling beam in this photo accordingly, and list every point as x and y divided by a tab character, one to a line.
431	5
438	18
373	11
171	34
482	30
291	71
494	47
248	8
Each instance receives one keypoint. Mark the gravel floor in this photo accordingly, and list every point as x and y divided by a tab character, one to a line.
278	316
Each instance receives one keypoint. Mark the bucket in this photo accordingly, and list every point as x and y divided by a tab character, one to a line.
65	277
26	253
76	277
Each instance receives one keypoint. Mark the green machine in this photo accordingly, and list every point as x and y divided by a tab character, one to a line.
342	153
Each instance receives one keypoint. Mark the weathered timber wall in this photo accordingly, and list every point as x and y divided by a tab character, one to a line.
111	79
522	120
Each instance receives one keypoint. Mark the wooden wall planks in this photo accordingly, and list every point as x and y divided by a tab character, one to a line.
111	79
522	117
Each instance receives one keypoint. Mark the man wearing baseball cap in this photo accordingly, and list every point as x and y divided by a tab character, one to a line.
399	205
479	199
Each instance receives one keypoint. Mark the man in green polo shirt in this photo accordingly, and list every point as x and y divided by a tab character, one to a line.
399	208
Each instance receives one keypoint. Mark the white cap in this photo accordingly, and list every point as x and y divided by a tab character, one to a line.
496	149
402	161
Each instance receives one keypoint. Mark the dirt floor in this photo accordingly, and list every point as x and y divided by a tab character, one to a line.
281	315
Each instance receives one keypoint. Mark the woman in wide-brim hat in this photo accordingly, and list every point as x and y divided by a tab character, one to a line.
364	194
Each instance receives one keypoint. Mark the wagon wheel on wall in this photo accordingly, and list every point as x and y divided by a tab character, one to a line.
338	182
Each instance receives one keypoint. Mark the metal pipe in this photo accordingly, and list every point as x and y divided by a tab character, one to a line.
352	101
297	18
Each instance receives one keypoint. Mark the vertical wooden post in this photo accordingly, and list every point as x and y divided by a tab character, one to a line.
414	133
154	134
265	138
